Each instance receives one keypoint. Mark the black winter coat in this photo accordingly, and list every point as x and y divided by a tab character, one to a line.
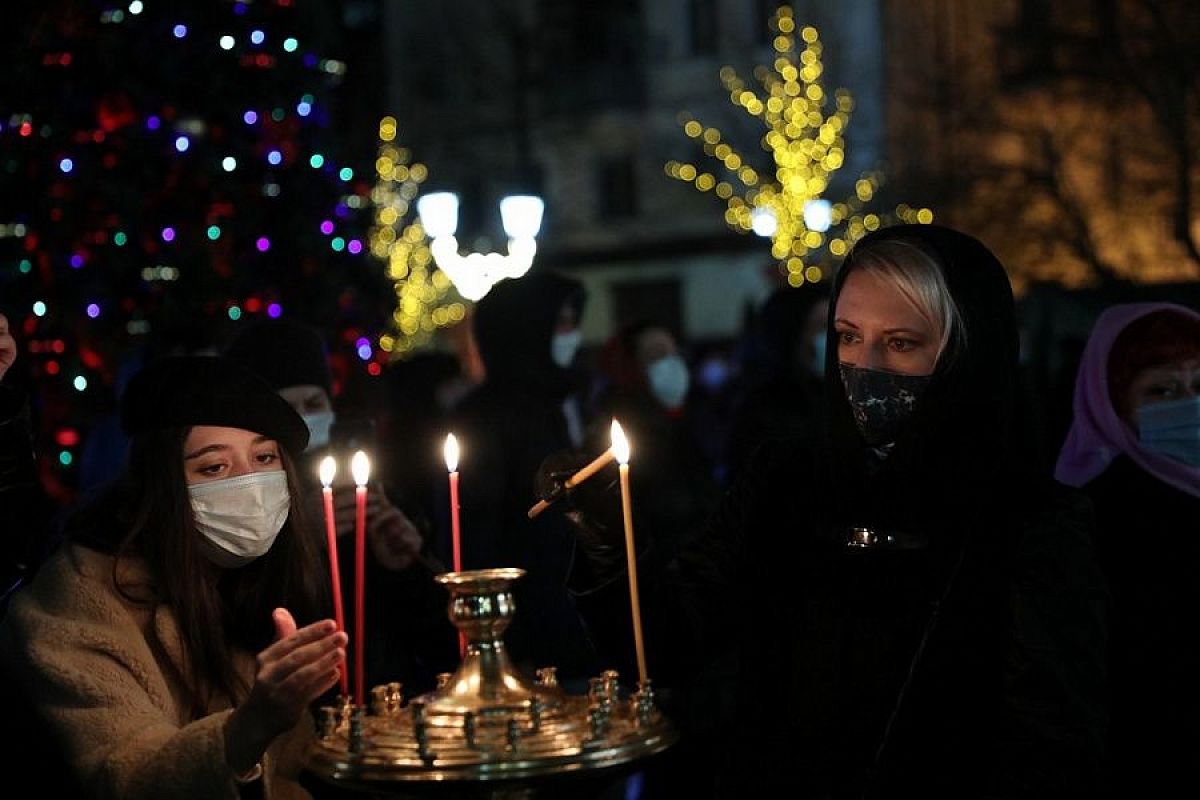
961	655
1148	547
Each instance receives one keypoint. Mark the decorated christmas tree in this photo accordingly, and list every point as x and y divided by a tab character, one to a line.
172	170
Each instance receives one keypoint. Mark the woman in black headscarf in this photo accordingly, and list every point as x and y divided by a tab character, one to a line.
906	612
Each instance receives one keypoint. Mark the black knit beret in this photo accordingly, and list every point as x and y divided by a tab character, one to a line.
181	391
284	351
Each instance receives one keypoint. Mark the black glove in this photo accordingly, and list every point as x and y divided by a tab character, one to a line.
593	508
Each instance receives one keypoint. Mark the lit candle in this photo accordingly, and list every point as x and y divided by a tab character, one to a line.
360	468
620	450
327	470
450	451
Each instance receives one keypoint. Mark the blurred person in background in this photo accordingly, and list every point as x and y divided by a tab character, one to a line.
781	393
527	408
27	512
1134	447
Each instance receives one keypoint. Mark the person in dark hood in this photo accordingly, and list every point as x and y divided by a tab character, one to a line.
526	408
783	381
647	393
902	610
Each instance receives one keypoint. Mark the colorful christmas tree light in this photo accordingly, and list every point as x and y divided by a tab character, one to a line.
158	168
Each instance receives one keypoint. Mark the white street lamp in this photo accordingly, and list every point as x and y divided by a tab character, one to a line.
474	274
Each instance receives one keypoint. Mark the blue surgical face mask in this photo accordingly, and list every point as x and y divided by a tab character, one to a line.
669	380
563	347
319	425
1171	429
714	374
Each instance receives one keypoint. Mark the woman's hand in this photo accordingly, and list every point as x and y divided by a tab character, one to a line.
296	669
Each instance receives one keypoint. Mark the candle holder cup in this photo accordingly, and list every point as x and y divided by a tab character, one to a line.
488	722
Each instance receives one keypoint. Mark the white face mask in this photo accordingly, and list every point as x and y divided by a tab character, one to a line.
563	347
669	380
318	428
240	517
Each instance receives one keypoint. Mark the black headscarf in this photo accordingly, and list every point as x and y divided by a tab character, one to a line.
956	451
514	324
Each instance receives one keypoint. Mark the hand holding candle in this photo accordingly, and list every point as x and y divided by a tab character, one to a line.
620	450
579	477
328	469
360	468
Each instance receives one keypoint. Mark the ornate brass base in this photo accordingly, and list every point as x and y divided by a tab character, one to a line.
487	722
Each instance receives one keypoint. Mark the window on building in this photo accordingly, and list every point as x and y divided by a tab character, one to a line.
616	189
702	28
764	10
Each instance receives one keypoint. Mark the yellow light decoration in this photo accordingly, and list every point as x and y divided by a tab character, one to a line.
807	148
425	298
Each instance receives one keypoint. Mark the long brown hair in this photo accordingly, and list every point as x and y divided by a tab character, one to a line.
217	610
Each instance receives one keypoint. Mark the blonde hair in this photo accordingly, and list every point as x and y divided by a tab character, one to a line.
916	275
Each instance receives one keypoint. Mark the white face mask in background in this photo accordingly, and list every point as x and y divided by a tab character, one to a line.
563	347
240	517
669	380
318	428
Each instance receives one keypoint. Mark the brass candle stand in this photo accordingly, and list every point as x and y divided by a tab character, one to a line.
486	722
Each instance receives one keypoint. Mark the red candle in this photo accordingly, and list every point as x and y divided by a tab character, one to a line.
328	469
360	467
451	453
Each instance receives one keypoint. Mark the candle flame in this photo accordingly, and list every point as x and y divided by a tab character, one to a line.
360	468
327	470
450	451
620	445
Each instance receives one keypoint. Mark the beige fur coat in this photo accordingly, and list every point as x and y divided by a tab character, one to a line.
105	672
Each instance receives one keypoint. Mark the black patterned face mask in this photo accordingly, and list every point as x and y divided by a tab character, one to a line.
881	401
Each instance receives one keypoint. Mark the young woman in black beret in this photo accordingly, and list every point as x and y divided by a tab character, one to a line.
174	643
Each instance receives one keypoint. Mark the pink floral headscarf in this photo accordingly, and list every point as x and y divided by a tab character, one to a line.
1098	434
